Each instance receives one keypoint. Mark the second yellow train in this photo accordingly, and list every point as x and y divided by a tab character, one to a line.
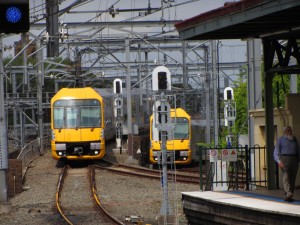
179	147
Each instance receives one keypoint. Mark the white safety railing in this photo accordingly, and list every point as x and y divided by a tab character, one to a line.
31	150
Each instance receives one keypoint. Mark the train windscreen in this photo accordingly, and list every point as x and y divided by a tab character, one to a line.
76	114
181	130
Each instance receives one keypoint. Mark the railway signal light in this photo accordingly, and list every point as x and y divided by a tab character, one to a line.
160	115
228	93
161	79
118	86
160	112
14	16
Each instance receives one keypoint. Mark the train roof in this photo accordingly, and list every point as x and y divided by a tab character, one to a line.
180	112
76	93
88	92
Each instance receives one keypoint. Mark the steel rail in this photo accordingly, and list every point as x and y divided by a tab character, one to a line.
96	198
57	195
148	173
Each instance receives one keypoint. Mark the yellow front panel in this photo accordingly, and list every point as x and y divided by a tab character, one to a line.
79	135
89	134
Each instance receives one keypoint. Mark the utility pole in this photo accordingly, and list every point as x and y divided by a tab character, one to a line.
52	28
40	84
78	69
207	80
3	133
207	108
215	91
25	72
128	93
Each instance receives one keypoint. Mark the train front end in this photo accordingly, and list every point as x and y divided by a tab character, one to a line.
77	124
178	148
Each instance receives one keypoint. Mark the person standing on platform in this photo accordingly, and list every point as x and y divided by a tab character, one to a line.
287	155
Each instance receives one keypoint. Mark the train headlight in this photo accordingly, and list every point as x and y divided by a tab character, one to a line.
96	152
183	153
61	153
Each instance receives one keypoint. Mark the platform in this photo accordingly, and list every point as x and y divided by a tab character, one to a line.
241	207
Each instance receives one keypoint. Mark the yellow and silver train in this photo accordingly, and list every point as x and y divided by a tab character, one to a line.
180	146
81	122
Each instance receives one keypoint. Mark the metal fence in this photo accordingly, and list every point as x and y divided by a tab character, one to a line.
32	150
232	167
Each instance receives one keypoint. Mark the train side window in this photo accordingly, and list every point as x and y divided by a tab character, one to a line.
58	117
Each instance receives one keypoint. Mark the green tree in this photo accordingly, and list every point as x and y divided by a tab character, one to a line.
240	98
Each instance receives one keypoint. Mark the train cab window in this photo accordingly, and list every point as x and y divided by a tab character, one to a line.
72	115
77	113
58	117
90	116
181	130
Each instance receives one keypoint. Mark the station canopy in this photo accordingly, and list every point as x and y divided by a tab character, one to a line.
246	19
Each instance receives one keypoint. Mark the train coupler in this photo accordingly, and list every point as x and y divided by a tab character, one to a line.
78	151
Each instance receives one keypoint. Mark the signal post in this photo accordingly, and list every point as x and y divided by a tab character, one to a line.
14	16
161	82
221	165
118	112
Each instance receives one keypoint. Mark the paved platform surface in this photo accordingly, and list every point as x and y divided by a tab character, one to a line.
262	200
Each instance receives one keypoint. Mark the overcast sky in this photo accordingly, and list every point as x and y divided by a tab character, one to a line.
180	12
185	9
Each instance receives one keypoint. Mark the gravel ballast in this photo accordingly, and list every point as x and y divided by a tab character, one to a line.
121	195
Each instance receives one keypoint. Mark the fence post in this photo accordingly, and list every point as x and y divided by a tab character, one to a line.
200	167
247	154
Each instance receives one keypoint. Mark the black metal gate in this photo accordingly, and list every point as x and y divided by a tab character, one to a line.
232	167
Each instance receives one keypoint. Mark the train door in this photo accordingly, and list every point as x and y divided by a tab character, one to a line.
72	123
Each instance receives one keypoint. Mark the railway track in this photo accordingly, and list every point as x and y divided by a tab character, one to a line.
80	183
145	172
183	176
